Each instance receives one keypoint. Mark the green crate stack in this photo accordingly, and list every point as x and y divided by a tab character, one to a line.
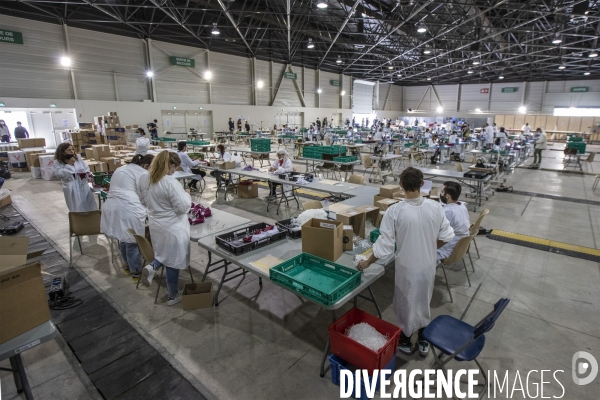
573	138
197	142
345	158
311	152
580	146
337	150
260	144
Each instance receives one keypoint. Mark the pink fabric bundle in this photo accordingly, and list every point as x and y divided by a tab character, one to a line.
198	213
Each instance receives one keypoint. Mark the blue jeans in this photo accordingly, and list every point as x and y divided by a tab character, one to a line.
131	255
172	277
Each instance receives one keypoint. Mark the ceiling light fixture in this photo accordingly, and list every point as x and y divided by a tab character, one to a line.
339	60
561	67
215	30
65	61
390	67
421	28
149	74
319	90
428	79
310	44
557	39
593	54
399	75
475	62
208	75
260	84
478	110
322	4
522	110
440	109
500	77
586	73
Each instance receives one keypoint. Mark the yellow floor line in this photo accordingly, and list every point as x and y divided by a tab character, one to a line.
547	242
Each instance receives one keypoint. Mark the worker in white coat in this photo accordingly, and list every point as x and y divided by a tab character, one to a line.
224	156
418	227
142	143
458	216
74	173
489	135
526	129
281	165
168	205
123	210
190	166
541	144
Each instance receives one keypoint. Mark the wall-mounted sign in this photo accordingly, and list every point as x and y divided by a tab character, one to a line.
11	37
334	82
484	91
290	75
510	89
183	62
580	89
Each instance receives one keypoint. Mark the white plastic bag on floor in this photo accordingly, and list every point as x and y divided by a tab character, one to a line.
4	193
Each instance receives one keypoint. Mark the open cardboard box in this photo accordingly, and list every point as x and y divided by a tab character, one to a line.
354	218
197	295
23	300
323	238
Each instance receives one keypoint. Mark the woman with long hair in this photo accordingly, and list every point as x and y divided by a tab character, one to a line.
74	172
123	211
168	205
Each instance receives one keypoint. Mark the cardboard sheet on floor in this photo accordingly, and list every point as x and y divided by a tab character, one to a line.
266	263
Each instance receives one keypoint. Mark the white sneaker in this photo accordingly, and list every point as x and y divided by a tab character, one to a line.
174	300
147	275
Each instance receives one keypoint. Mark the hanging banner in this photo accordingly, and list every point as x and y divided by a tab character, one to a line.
290	75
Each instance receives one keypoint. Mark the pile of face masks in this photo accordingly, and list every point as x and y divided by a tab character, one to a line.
198	213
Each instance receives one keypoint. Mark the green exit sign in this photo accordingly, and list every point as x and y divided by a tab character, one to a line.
183	62
334	82
290	75
510	89
11	37
580	89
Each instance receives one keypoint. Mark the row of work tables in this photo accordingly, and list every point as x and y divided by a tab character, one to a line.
235	266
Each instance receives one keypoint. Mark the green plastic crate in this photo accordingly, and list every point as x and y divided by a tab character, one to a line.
345	158
573	138
320	280
165	139
260	144
99	177
374	235
580	146
197	143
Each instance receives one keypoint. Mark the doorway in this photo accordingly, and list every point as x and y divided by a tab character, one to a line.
43	127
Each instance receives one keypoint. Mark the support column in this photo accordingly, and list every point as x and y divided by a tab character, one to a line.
150	65
271	81
254	81
376	94
208	69
116	87
544	96
341	90
71	73
318	88
489	107
458	97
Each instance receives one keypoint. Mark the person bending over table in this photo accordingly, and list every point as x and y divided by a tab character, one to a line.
225	156
281	165
190	166
74	173
418	227
168	205
457	214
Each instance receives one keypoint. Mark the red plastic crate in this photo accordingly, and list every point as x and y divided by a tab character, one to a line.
355	353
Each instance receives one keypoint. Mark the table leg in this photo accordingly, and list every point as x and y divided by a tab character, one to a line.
23	377
326	352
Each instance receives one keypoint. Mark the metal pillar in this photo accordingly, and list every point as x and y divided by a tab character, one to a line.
71	73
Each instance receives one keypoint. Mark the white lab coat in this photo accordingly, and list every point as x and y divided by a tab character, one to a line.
449	127
541	142
378	136
78	195
414	229
526	129
123	209
489	135
286	166
226	156
458	216
187	164
142	145
168	205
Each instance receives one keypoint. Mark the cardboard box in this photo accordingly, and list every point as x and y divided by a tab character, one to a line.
247	191
5	201
377	199
100	167
371	213
89	153
197	295
47	174
386	203
33	159
23	299
27	143
46	160
388	191
225	164
323	238
40	142
112	162
348	237
36	172
354	218
100	151
17	159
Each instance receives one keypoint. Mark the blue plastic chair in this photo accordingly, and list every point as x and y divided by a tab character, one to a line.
458	340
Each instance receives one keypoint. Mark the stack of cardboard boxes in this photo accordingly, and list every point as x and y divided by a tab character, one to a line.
85	137
26	158
100	158
110	127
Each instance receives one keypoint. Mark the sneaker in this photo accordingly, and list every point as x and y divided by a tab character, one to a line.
174	300
147	275
423	348
406	349
127	271
135	277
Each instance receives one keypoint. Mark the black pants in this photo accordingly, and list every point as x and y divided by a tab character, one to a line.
5	139
197	172
406	339
273	187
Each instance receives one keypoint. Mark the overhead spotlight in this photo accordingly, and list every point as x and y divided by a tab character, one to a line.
522	110
475	62
343	93
478	110
428	79
593	54
149	74
208	75
260	84
322	4
319	90
339	60
427	51
65	61
310	44
391	67
557	39
562	67
421	28
399	75
500	77
586	73
215	30
439	109
469	72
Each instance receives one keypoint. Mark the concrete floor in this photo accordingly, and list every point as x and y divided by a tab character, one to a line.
267	343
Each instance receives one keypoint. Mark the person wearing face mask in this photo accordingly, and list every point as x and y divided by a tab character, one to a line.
74	172
123	210
458	216
21	132
168	205
282	165
4	132
223	155
142	144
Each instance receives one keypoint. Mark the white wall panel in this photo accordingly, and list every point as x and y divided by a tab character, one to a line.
534	96
310	87
232	79
95	86
287	95
362	98
132	88
263	73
